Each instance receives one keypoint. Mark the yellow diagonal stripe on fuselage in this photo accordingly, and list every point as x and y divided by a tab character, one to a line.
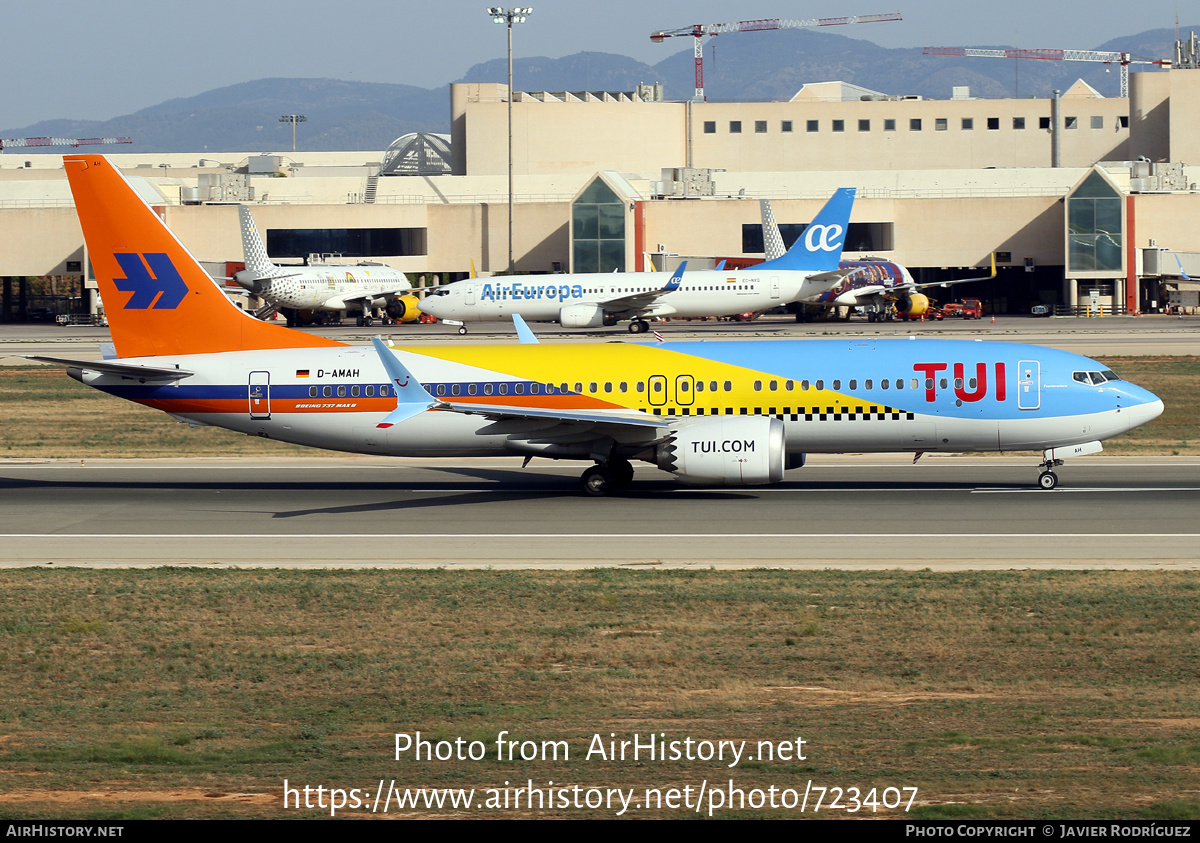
632	364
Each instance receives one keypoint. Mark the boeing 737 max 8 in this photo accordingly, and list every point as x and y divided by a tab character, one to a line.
716	413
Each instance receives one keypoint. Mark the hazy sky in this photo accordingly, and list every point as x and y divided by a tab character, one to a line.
91	60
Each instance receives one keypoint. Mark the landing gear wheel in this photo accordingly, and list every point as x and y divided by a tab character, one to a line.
1047	479
596	481
622	473
367	321
462	329
639	326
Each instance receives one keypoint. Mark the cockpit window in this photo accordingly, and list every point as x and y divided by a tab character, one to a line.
1095	378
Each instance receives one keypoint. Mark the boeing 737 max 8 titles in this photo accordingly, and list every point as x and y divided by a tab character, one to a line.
717	413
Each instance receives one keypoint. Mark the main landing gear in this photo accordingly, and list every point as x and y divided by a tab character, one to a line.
639	326
1048	479
605	478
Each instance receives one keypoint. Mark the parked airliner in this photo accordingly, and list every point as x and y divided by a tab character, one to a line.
736	413
877	286
320	286
589	300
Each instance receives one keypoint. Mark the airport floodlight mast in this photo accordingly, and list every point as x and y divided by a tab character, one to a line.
293	119
15	143
699	30
519	14
1123	59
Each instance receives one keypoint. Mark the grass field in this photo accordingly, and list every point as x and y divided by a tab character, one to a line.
195	693
48	415
191	693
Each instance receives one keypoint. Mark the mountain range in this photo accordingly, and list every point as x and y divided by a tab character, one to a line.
760	66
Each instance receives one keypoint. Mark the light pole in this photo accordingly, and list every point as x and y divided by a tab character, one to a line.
293	119
509	17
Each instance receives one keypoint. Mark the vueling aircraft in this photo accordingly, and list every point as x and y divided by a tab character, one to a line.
589	300
361	286
712	413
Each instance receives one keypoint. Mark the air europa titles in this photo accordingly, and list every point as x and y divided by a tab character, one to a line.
517	290
931	371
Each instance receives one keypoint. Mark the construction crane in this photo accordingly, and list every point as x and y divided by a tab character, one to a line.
5	143
699	30
1123	59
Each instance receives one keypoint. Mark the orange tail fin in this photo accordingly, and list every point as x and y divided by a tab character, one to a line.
158	299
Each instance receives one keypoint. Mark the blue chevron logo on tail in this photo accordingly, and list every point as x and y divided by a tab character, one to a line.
164	290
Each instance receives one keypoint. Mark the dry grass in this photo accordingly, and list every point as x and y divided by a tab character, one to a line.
184	693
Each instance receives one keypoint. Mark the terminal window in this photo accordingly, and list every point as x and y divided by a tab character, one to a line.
1072	123
1043	122
348	242
1019	123
940	124
1097	122
914	125
710	127
839	125
735	127
860	236
760	127
1123	121
785	126
993	124
968	123
864	125
889	125
811	126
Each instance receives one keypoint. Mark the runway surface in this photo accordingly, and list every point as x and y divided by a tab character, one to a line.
854	512
1110	336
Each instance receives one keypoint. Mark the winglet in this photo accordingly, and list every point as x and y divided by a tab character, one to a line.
411	397
523	333
673	284
158	299
819	248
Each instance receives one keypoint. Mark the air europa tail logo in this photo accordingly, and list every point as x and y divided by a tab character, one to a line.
825	238
153	280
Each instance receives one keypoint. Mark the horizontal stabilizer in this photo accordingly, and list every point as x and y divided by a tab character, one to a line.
111	367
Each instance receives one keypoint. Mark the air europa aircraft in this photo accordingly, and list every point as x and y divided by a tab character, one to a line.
714	413
589	300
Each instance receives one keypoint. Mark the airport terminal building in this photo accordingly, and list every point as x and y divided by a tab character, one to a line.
1085	200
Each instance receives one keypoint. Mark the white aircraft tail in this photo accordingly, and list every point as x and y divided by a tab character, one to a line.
772	240
253	248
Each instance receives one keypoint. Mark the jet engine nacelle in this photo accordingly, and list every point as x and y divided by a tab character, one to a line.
581	316
726	451
405	308
913	304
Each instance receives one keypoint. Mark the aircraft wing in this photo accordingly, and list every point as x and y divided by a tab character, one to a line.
374	294
525	422
904	288
641	302
112	367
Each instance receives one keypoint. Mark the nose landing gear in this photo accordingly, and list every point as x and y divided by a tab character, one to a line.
1048	479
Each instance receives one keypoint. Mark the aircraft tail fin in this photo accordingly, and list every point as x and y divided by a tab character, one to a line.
158	299
253	248
819	248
